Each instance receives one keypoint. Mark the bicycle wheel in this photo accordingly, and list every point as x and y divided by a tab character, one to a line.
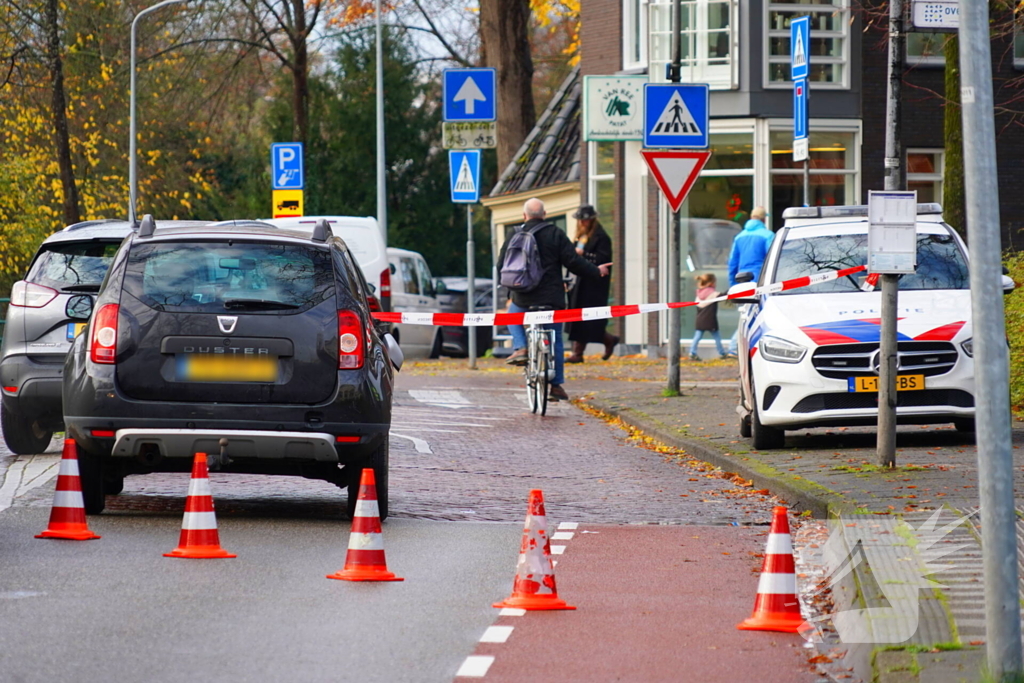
541	384
530	374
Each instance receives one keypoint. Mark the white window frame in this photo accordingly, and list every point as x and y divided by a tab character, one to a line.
842	6
937	177
634	29
593	177
717	76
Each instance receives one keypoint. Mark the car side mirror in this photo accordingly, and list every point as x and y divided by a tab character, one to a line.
79	307
741	287
394	352
744	276
1008	284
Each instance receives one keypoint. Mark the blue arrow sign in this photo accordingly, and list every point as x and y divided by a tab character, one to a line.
286	166
676	115
800	109
464	170
469	95
799	47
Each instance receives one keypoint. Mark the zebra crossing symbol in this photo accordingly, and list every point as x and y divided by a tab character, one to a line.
464	169
676	115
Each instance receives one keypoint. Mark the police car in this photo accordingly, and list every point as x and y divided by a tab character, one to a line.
809	357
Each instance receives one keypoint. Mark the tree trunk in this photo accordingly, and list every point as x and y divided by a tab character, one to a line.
505	33
58	106
300	74
953	210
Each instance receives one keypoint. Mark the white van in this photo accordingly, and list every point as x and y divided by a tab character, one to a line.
413	290
364	240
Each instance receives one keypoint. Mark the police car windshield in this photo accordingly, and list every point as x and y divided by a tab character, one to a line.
940	263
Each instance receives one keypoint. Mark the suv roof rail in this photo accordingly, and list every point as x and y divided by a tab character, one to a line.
241	223
147	227
88	224
928	208
322	232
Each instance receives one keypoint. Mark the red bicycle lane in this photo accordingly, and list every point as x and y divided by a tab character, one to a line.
654	603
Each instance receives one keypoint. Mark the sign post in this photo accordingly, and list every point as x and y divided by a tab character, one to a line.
464	171
800	41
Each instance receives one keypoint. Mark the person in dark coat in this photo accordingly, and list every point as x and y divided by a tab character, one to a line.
556	252
593	244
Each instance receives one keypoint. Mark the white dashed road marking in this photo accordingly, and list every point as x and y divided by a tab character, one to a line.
496	634
475	666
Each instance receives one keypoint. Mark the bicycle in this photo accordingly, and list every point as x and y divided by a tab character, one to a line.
540	368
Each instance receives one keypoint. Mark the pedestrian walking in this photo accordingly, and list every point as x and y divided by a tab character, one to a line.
593	244
749	249
554	251
707	315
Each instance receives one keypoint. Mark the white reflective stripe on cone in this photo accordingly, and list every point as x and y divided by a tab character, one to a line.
367	508
777	584
357	541
197	521
199	487
68	499
779	544
68	467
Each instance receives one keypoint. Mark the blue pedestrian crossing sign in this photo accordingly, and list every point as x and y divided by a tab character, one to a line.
469	95
464	169
676	115
286	166
800	43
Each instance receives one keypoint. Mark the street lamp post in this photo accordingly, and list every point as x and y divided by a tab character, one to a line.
132	174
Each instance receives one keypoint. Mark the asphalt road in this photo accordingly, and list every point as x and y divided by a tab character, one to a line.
465	454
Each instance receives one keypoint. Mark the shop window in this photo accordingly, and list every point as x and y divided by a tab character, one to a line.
924	173
708	42
830	41
833	171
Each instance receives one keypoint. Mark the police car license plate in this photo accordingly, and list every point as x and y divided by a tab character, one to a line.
219	368
903	383
74	329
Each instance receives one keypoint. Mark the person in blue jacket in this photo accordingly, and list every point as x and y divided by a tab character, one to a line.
749	249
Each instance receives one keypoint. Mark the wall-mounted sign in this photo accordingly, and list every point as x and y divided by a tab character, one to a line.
935	15
613	107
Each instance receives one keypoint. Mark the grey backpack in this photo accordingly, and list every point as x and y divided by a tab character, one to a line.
521	271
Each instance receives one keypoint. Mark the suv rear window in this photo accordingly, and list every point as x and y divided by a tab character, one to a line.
73	266
940	263
221	277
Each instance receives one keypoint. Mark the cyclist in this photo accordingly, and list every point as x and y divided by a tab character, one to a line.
556	252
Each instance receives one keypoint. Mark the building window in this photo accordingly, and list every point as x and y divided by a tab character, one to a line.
602	182
833	170
634	34
924	173
830	42
926	48
1018	36
708	45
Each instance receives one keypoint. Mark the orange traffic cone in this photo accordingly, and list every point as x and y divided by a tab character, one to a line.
67	516
365	559
199	537
777	607
534	585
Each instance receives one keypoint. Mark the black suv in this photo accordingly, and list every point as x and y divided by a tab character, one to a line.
251	343
41	324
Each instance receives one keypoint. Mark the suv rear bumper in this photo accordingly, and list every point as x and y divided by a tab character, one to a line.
38	384
183	443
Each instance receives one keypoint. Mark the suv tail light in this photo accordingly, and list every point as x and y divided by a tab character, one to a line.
31	295
385	289
351	342
373	303
104	335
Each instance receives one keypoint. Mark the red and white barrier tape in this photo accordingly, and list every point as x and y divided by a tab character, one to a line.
597	312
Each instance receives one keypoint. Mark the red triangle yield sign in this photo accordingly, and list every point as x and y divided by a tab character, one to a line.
675	171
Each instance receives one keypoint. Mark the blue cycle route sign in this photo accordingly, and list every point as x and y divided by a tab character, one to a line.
286	166
676	115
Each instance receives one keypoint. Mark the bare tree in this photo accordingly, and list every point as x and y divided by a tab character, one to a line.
505	35
58	109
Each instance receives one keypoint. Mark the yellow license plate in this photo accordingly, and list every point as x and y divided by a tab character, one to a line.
219	368
75	329
903	383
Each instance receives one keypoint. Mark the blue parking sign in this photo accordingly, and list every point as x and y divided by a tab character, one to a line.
464	169
676	115
469	95
286	166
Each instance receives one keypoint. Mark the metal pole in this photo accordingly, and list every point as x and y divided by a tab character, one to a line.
470	284
807	182
895	179
674	256
133	183
382	201
991	362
